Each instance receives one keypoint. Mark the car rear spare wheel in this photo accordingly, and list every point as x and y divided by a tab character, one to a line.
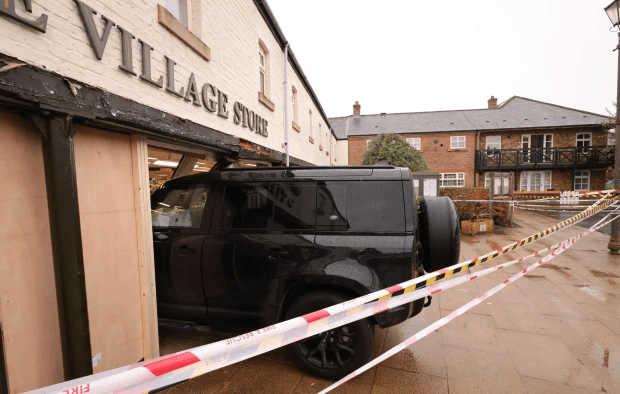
334	353
440	233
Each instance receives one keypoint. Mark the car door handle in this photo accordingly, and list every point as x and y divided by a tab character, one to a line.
184	250
275	252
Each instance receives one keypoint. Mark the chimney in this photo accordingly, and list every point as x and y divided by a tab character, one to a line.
356	108
492	102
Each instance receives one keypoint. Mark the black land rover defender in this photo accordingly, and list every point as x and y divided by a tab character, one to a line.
256	247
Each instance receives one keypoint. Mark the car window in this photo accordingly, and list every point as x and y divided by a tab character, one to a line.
180	207
367	206
274	206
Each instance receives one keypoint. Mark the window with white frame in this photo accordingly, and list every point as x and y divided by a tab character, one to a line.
494	142
415	142
262	62
178	8
535	181
368	144
320	136
452	179
457	142
295	115
584	140
582	180
310	122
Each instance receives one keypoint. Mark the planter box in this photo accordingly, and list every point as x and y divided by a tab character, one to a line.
482	226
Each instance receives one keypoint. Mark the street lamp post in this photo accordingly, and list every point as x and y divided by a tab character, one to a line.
613	12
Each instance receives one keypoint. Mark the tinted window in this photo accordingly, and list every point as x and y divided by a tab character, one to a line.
274	206
360	206
180	207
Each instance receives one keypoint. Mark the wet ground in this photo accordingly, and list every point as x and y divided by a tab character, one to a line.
556	330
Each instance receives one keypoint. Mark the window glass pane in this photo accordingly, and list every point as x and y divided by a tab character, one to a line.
182	207
360	206
273	206
493	142
452	179
414	142
174	7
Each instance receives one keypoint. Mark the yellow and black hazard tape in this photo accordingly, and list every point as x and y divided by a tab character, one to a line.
509	248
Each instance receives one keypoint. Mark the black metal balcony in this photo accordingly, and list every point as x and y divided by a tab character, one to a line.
544	158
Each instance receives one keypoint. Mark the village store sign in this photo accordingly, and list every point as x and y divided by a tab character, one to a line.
213	99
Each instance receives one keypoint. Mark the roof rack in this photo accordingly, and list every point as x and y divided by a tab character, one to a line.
276	168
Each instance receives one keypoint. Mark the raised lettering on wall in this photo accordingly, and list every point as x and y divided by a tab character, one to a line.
98	43
7	7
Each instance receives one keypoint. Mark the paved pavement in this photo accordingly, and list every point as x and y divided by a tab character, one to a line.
556	330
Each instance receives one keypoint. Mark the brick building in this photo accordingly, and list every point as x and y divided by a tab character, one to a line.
545	146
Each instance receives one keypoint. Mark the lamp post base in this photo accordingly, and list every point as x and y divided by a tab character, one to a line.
614	244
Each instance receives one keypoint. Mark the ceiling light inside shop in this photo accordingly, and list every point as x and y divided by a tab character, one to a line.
166	163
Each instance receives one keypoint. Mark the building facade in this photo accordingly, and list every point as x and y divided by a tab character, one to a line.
99	102
544	146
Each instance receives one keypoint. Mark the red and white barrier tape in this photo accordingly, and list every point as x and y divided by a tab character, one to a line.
458	312
171	369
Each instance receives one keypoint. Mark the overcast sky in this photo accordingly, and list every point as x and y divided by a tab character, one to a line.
422	55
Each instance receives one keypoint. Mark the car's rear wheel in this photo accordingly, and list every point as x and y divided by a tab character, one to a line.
334	353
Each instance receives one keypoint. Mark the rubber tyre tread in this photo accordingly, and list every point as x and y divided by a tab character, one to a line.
440	233
311	302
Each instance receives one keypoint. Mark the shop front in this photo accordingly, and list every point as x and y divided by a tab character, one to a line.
100	103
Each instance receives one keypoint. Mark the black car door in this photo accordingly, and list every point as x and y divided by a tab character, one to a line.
180	226
262	234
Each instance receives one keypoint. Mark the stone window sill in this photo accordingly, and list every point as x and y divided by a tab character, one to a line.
266	102
167	20
457	150
296	127
311	140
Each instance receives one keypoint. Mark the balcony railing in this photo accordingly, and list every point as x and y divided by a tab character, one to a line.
544	158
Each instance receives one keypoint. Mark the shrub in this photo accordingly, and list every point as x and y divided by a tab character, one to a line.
476	210
393	148
468	210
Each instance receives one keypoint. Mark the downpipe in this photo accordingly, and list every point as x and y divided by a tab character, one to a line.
286	103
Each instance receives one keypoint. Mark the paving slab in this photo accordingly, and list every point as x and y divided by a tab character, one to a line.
474	371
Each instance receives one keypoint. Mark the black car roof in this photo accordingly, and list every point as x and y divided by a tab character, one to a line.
299	173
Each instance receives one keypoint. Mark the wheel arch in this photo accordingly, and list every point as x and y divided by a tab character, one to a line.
348	288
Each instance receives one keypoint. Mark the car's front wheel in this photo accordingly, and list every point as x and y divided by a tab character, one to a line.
335	353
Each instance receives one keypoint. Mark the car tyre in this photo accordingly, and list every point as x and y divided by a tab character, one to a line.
440	233
334	353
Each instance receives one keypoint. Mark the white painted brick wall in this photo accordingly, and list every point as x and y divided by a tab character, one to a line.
231	28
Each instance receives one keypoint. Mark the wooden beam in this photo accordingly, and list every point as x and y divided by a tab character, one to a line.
142	198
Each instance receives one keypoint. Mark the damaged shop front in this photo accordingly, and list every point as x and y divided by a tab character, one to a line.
101	103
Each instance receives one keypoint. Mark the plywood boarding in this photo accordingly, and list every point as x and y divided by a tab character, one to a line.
110	241
139	152
27	286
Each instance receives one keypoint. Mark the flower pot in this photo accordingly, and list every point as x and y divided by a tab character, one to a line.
476	227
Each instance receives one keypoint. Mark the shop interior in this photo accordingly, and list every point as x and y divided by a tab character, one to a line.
167	162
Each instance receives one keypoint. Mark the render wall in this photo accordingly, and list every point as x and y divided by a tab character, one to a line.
28	308
231	28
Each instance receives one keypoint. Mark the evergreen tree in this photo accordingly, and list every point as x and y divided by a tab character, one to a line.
391	147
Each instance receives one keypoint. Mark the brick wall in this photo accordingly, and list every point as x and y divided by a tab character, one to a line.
438	156
561	137
231	28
